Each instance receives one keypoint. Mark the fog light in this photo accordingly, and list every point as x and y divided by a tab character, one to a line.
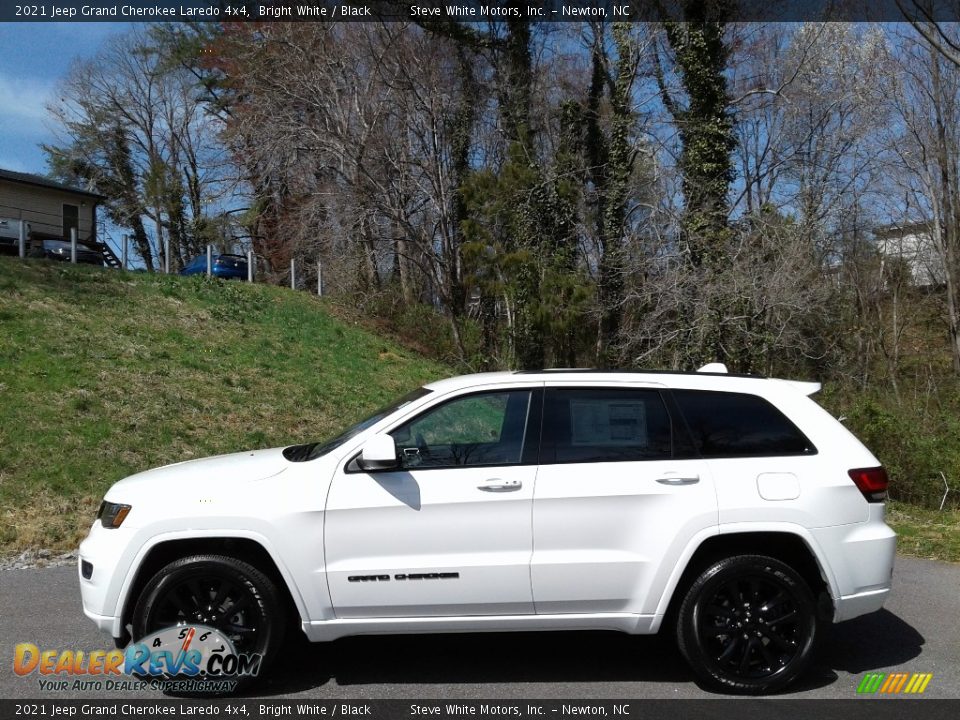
86	569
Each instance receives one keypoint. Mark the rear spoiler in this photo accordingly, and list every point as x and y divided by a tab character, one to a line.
807	388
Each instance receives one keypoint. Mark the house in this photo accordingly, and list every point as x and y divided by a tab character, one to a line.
49	208
914	244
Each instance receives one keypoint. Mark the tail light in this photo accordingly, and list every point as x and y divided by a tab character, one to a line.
872	482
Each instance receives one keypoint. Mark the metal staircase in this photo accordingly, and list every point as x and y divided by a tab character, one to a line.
110	257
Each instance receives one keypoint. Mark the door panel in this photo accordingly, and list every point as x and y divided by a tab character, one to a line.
430	521
607	532
449	533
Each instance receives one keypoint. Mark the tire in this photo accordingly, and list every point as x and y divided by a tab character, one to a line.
170	598
748	625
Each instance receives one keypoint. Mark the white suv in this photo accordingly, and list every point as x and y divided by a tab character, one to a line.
730	510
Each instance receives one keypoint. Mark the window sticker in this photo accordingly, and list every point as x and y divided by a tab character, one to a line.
609	423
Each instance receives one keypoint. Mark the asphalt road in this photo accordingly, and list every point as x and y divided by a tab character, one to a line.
918	631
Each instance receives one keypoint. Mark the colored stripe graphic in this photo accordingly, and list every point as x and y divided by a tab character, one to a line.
871	683
926	681
894	683
888	683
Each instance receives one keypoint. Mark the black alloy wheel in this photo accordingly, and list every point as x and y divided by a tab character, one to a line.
218	591
748	625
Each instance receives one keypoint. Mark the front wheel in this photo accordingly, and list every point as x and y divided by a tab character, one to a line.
748	625
222	596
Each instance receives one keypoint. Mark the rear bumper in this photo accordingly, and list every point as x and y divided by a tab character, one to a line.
852	606
860	557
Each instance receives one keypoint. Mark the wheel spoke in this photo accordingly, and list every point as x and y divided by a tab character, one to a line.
241	630
733	588
772	661
237	605
717	631
198	597
745	658
714	610
729	650
220	594
783	618
774	601
184	604
782	642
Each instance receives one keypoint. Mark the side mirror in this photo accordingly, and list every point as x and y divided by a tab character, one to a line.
379	453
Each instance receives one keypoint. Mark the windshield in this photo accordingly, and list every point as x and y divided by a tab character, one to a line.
311	451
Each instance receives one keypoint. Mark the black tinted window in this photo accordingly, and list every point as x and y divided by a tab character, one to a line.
738	425
604	425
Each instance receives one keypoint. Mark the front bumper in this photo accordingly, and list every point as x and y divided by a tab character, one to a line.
104	550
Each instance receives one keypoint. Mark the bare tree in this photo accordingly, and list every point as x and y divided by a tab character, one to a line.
928	152
136	130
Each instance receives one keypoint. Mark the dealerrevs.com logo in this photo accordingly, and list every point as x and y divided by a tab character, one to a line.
185	658
894	683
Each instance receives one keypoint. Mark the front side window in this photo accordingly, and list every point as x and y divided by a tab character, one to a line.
725	424
605	425
481	429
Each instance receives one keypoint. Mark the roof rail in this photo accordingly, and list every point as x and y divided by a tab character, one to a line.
706	370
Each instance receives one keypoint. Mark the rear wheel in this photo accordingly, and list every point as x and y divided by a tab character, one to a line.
748	625
216	591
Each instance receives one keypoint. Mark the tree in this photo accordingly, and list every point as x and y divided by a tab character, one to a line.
705	125
135	129
928	152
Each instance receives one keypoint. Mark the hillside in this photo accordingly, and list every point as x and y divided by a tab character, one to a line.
103	374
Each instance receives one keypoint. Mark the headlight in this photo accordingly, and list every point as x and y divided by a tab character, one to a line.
112	515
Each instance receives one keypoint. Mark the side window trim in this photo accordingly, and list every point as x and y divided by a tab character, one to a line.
684	446
533	436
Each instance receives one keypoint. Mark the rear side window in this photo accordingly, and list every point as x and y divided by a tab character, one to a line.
604	425
739	425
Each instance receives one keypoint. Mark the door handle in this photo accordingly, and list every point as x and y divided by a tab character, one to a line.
672	480
498	485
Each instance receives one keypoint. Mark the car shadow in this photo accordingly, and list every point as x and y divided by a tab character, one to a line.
867	643
476	658
874	641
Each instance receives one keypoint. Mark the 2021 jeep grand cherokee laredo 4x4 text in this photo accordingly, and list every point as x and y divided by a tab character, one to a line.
733	511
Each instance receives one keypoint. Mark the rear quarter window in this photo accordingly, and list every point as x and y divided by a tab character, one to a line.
724	424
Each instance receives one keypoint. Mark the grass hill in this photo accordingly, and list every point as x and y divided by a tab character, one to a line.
104	373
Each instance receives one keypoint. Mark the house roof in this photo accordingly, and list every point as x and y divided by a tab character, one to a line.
40	181
903	229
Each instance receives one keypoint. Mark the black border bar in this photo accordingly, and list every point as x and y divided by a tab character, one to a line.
497	709
472	11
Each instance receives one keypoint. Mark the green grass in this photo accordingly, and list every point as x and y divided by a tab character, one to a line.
103	374
926	533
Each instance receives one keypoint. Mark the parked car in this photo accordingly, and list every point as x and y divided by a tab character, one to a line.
10	235
60	250
730	511
229	267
